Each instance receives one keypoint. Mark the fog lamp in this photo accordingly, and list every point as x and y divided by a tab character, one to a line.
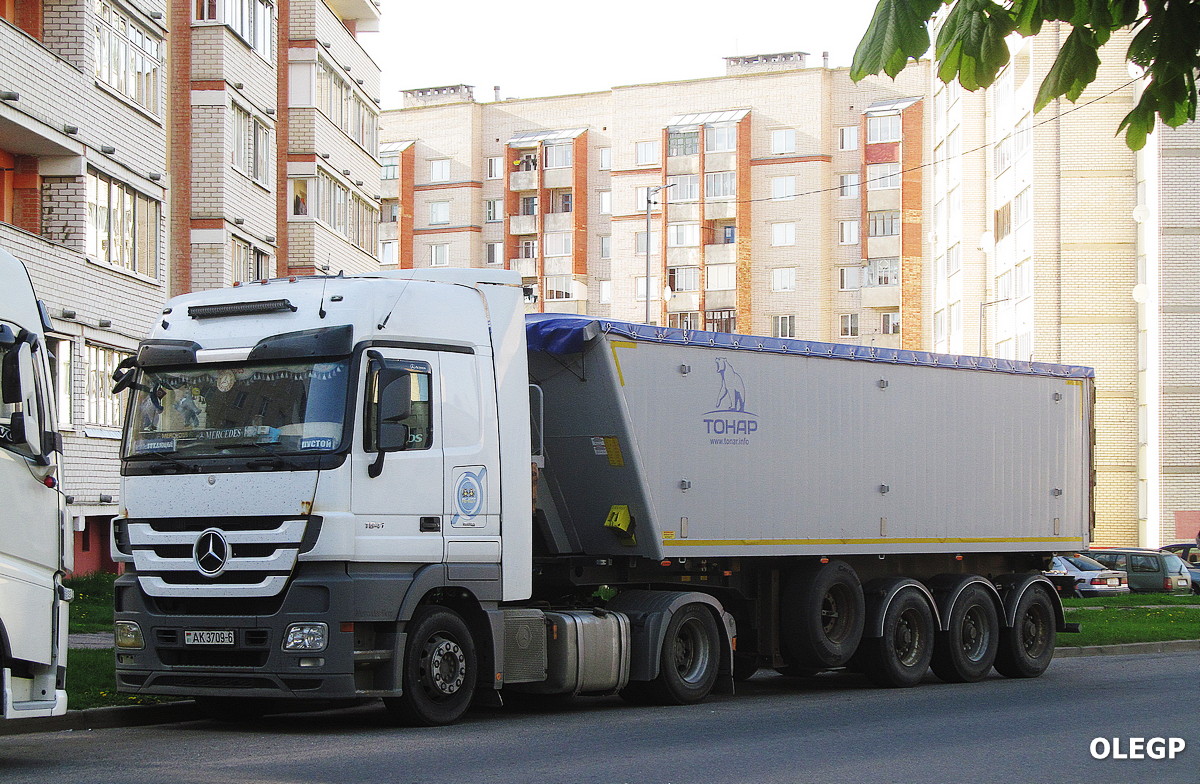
127	634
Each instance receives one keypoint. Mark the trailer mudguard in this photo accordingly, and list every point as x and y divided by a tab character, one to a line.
1014	586
881	592
947	588
649	613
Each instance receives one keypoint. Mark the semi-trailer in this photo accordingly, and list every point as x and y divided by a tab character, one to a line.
399	486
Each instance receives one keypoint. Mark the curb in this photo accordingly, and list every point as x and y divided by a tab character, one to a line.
1167	646
185	710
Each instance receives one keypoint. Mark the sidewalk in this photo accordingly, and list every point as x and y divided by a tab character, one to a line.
185	710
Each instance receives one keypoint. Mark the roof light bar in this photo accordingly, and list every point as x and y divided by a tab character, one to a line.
241	309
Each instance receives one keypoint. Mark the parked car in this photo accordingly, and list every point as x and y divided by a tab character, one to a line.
1092	578
1149	571
1190	553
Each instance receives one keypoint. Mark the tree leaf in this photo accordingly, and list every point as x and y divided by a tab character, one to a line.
1073	70
899	30
971	43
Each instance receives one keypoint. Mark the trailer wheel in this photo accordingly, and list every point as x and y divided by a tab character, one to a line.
687	664
823	615
966	651
1027	648
439	669
901	656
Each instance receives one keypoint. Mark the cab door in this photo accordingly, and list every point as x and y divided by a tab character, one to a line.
396	496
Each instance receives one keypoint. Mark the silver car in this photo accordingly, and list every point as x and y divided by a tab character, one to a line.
1092	578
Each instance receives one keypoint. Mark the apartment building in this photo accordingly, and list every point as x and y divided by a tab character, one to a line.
783	199
83	203
273	138
1052	241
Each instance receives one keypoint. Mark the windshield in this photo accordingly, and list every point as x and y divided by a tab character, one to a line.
1175	564
1084	564
280	408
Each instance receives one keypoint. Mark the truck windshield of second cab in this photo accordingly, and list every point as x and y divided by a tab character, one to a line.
289	407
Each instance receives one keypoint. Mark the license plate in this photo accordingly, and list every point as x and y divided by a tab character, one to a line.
208	638
1114	580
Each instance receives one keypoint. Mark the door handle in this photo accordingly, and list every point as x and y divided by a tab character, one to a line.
431	525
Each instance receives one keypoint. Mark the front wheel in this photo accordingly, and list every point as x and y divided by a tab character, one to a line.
1027	648
439	671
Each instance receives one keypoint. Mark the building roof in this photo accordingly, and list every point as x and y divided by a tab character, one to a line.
891	107
707	118
531	138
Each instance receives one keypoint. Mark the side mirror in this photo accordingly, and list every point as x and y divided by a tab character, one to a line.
394	406
124	374
20	389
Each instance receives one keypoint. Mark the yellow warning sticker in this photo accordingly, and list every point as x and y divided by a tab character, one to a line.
613	447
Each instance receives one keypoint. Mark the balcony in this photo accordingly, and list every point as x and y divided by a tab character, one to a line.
683	302
559	221
523	224
880	296
523	181
527	267
720	254
559	177
716	210
883	246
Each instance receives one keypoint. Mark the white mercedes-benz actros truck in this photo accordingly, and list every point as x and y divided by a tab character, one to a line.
397	486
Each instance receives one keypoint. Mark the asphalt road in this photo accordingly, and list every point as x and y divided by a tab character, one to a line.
834	728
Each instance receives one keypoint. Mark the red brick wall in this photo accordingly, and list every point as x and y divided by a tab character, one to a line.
28	17
179	158
742	229
7	171
27	195
912	227
405	252
579	195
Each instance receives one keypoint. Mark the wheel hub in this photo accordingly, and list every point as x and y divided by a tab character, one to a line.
446	668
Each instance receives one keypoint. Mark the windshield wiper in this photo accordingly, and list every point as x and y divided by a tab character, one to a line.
167	461
276	460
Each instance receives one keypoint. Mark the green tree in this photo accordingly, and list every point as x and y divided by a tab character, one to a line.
971	47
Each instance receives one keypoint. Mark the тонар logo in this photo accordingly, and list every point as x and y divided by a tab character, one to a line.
729	422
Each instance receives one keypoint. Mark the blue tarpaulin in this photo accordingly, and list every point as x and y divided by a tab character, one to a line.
559	333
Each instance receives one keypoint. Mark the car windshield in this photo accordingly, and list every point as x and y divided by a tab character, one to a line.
282	407
1084	564
1175	564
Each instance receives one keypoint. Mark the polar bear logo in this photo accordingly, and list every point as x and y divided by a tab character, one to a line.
733	389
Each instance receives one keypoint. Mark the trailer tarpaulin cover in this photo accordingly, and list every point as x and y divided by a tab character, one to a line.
560	333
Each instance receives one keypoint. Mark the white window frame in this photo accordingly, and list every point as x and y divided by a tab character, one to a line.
558	156
683	278
439	170
493	210
783	188
557	288
557	243
783	233
848	138
439	213
495	168
604	158
720	138
646	153
683	187
884	128
720	277
606	246
101	406
720	185
493	252
683	235
439	254
848	325
849	278
889	322
848	185
883	176
604	202
848	232
783	326
783	279
783	141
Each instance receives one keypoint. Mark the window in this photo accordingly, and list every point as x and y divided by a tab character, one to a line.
439	213
848	325
1023	279
249	19
939	326
848	137
605	295
420	417
783	279
1022	207
122	225
720	185
557	156
495	168
527	249
720	320
639	288
955	318
1002	224
1003	153
783	233
720	138
890	323
529	205
249	263
439	170
783	188
953	259
493	210
783	326
641	197
885	128
558	287
606	246
883	176
1023	137
783	140
645	153
251	145
683	278
605	158
682	143
848	278
128	57
884	223
605	202
389	164
721	277
727	233
848	184
848	232
685	320
558	243
387	253
683	187
439	254
494	252
561	201
883	272
333	95
61	377
683	235
101	406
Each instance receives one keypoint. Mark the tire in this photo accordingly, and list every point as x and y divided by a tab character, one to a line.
1027	648
823	614
688	662
439	671
900	658
966	652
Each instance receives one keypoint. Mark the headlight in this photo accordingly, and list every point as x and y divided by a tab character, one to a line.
306	637
127	634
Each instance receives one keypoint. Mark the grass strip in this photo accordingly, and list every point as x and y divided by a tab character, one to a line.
1116	625
92	681
1133	600
92	607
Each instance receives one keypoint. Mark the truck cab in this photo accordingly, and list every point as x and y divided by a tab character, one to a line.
34	538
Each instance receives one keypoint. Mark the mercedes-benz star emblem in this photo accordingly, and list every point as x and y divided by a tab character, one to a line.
211	552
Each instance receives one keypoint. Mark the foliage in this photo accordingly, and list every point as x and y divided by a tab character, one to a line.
1116	625
971	46
92	681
